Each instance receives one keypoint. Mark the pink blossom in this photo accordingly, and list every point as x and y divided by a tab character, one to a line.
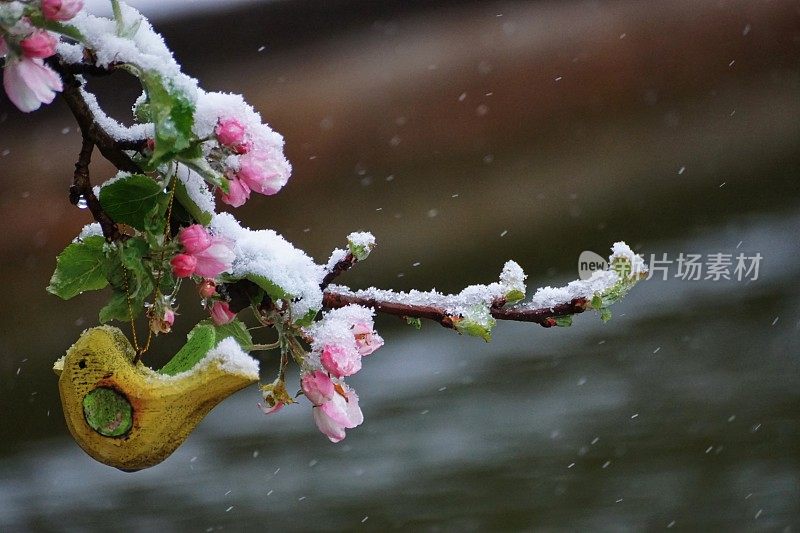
262	173
340	361
39	44
215	259
183	265
270	410
212	255
339	413
194	239
238	193
230	132
29	83
221	313
367	341
317	387
207	288
61	9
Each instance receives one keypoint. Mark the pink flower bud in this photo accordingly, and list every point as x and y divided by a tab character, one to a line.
61	9
317	387
169	317
238	193
367	341
340	361
39	44
207	288
230	132
194	239
221	313
183	265
263	173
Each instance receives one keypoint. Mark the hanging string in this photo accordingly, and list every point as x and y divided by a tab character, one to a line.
141	350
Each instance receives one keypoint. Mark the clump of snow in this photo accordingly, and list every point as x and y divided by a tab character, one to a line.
513	277
267	254
549	297
145	49
230	357
89	230
337	255
196	189
114	128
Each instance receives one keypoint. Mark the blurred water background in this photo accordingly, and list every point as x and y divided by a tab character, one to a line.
464	134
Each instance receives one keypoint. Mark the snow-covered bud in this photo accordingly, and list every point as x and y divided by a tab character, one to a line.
230	132
221	313
340	361
39	44
194	239
262	173
61	9
183	265
317	387
207	288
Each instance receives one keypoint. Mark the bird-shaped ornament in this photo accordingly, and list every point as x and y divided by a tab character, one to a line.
126	415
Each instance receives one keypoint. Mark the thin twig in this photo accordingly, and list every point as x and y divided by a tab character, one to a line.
543	316
342	266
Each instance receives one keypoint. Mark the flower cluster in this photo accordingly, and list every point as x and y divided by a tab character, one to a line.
206	256
247	152
27	80
339	341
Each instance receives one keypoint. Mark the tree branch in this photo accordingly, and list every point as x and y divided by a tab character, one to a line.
81	191
543	316
111	149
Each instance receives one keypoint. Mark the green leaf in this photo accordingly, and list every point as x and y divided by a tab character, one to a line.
199	341
235	329
80	267
116	308
514	296
308	318
477	322
130	198
69	30
203	337
605	314
182	195
172	114
414	322
272	289
136	276
564	321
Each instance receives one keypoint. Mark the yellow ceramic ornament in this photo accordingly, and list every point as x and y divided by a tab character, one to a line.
131	417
